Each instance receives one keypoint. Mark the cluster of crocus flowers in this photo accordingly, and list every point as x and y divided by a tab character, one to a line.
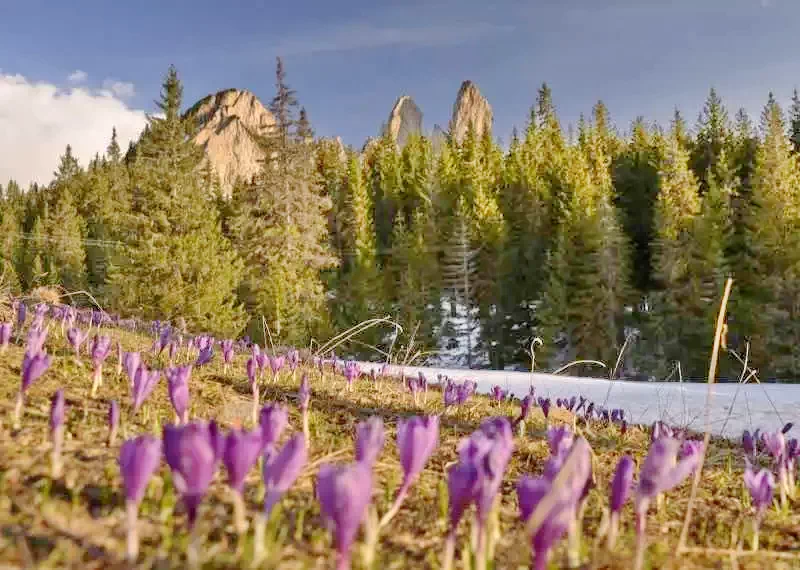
661	471
138	460
178	388
550	504
57	412
476	479
499	393
276	365
101	347
205	355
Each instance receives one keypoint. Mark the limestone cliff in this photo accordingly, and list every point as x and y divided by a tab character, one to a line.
470	107
405	120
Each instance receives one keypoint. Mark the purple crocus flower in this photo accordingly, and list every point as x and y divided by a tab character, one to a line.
344	494
545	405
56	431
775	444
35	341
205	355
178	387
131	362
546	528
242	449
761	486
191	452
252	369
113	422
560	440
293	357
227	351
144	382
76	336
450	395
787	428
370	439
304	393
621	486
490	446
138	460
5	336
101	346
282	469
276	364
748	444
351	372
57	410
498	394
660	472
22	313
273	420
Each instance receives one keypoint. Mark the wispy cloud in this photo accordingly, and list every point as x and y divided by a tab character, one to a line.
121	89
77	76
360	36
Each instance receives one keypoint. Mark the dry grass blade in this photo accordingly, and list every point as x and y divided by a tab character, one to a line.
712	374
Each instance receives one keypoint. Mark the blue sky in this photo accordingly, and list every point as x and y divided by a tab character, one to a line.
349	61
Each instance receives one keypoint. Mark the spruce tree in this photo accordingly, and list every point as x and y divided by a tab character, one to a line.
176	263
281	229
64	248
769	279
10	246
712	141
794	122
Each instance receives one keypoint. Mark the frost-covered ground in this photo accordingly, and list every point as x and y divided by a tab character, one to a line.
734	407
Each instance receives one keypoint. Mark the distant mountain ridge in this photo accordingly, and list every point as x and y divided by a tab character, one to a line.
230	123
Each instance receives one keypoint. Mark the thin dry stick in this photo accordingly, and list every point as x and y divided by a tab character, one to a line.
712	373
576	362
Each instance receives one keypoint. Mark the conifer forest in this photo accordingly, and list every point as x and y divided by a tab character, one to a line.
591	237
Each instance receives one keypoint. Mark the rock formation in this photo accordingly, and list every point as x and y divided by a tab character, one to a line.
229	123
405	120
470	107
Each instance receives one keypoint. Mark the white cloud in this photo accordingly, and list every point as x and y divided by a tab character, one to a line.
38	120
121	89
77	76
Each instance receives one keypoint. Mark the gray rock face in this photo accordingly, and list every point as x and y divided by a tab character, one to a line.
229	123
404	120
470	107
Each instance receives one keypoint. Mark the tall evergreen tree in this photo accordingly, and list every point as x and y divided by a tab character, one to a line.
713	141
64	248
767	310
281	228
177	263
794	122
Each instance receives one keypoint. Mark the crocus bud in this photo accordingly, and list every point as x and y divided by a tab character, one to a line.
369	440
273	420
191	453
178	387
242	449
620	491
5	336
138	460
344	494
282	469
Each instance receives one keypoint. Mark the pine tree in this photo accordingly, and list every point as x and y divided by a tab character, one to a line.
767	311
281	229
794	122
176	263
10	246
64	250
712	141
635	180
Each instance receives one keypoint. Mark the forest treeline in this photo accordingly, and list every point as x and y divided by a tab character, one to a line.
585	240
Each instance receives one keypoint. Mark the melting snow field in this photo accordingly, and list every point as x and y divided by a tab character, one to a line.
734	407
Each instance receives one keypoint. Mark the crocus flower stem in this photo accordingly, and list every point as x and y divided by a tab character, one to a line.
255	404
97	379
193	549
756	529
613	530
480	551
239	512
574	544
306	430
641	538
398	502
449	550
259	539
55	454
18	409
132	549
